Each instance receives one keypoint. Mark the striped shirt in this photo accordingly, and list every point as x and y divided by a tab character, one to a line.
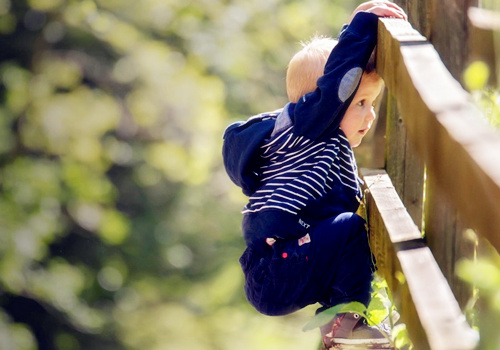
297	170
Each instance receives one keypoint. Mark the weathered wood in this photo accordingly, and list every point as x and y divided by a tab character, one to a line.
395	145
402	164
449	34
438	311
390	206
377	184
431	121
398	247
445	23
404	167
400	226
413	186
443	126
445	236
419	13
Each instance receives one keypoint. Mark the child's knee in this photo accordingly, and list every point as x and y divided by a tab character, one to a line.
351	219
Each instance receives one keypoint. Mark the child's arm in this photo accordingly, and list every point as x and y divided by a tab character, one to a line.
321	111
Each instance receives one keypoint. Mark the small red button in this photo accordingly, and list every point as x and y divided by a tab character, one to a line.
284	255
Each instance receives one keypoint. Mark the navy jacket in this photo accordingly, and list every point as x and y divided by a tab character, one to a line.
295	163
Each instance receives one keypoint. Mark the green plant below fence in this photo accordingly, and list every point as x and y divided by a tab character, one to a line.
380	310
482	272
487	98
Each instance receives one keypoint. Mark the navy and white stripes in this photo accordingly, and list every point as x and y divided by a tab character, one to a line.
298	170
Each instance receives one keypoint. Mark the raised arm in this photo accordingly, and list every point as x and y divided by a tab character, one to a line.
321	111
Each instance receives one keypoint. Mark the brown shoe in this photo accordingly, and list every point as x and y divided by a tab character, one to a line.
350	331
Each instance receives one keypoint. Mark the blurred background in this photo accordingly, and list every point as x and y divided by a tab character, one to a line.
119	228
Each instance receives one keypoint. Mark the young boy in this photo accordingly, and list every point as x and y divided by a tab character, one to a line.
305	244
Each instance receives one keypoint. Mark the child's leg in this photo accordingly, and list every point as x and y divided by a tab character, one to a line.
349	280
333	267
342	260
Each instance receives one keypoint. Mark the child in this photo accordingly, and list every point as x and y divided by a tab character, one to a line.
305	244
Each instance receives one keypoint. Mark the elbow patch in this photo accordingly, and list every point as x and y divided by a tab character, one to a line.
349	82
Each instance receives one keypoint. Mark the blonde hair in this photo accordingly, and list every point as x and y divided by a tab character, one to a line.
307	66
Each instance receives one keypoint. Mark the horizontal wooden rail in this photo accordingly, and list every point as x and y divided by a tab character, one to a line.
460	150
440	324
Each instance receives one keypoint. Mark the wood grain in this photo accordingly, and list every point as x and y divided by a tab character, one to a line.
444	127
400	250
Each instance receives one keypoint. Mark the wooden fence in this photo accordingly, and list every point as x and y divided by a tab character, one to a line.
441	177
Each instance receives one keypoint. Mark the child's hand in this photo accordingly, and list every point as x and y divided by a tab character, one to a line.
381	8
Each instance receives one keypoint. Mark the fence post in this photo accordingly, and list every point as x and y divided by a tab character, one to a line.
444	22
485	29
403	166
444	233
423	295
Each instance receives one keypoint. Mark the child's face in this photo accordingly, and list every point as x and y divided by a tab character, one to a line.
360	114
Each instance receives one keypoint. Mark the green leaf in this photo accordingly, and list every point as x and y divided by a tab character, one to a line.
377	310
483	273
401	337
324	317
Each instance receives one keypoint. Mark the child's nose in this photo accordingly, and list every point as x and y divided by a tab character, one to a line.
371	115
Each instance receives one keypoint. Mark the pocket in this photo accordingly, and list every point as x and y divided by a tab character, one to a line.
287	272
289	260
286	277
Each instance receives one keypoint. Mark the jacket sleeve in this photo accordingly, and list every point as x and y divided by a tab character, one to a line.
240	151
321	111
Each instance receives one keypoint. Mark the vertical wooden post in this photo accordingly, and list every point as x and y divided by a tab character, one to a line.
420	14
420	290
445	236
485	30
402	164
445	24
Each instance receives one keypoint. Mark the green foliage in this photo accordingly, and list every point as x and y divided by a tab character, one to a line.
483	274
324	317
118	226
490	5
487	98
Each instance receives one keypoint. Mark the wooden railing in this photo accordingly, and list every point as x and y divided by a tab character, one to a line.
441	177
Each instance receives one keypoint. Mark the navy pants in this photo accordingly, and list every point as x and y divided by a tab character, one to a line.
332	265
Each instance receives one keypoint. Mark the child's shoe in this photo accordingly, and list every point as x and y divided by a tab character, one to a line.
350	331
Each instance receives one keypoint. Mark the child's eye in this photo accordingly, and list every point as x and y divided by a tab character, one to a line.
361	103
